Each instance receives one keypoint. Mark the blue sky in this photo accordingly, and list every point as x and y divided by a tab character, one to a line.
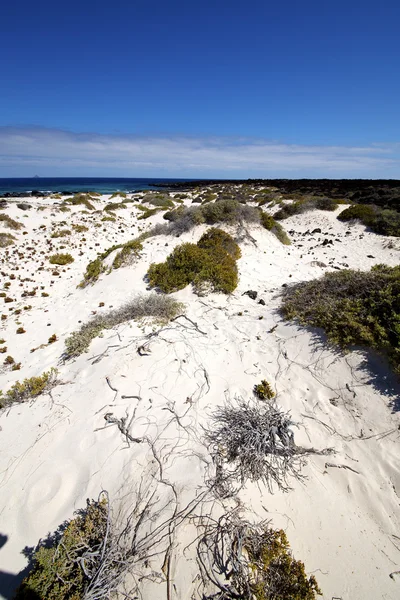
200	89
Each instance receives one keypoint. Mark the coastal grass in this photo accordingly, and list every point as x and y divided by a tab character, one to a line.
6	239
379	220
80	199
7	221
352	307
162	308
269	223
209	264
128	252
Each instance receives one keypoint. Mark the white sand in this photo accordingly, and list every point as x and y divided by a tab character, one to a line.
55	452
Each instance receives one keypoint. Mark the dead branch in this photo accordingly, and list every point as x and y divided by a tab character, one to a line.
341	467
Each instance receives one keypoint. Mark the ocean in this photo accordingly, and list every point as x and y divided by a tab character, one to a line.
103	185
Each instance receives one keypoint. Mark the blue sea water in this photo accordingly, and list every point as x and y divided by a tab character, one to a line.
103	185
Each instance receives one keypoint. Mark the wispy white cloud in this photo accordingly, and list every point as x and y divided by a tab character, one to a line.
56	152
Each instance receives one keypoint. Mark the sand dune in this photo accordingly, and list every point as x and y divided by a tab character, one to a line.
343	520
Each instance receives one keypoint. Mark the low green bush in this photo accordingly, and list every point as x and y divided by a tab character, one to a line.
353	308
264	390
269	223
378	220
61	259
118	194
30	388
212	261
276	574
64	564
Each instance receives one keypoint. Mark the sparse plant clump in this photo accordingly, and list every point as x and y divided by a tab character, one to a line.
264	390
147	212
6	239
381	221
304	205
211	261
7	221
65	564
353	308
160	307
117	195
61	233
110	219
114	206
31	388
61	259
80	228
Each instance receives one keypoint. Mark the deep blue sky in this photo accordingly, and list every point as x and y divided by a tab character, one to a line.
290	72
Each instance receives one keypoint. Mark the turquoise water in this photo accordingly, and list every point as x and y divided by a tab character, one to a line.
102	185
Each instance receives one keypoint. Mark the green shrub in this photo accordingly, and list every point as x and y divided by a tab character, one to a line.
153	305
212	261
65	563
7	221
353	308
30	388
111	219
381	221
118	194
328	204
276	574
264	390
61	259
6	239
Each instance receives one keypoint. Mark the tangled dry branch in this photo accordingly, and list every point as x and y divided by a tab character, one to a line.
255	441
